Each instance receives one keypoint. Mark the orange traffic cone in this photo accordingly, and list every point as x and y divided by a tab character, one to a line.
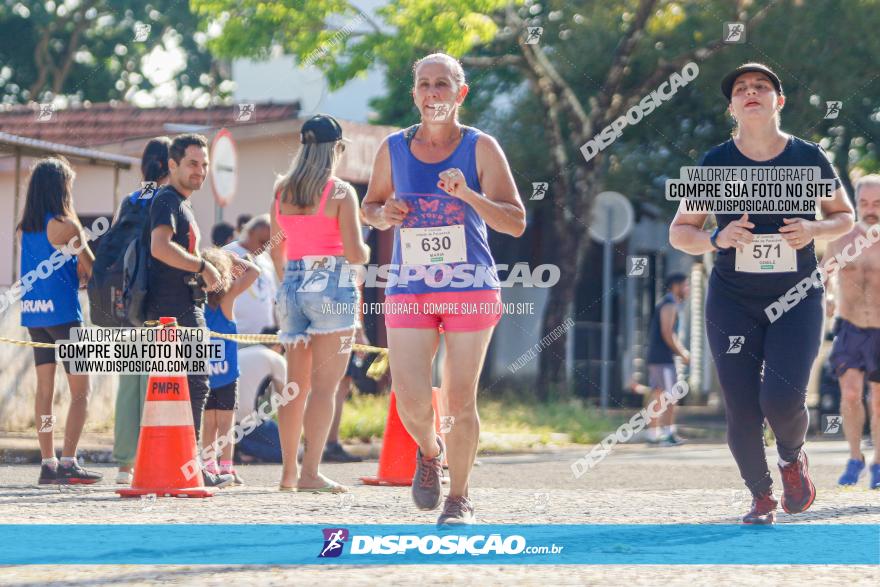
397	461
167	455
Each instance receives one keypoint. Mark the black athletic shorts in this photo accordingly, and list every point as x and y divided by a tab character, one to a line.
224	397
856	348
51	334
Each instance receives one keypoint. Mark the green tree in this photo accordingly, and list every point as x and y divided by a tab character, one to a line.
594	61
88	50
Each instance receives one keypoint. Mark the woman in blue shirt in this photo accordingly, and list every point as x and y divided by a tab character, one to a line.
55	263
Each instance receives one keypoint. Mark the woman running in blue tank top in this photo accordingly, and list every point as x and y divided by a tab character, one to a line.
440	185
56	261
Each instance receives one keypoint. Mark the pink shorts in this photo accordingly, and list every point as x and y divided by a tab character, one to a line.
451	311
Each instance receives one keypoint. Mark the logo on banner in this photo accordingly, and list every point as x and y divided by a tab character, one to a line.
832	424
539	190
736	344
334	539
832	109
637	267
734	32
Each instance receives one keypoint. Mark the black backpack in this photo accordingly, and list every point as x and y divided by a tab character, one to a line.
110	292
135	274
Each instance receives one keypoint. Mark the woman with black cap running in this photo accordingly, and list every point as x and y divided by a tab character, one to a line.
764	364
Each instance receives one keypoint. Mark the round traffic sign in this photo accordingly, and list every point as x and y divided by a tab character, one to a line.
224	167
611	217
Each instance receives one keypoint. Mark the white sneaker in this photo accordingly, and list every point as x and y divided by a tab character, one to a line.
124	477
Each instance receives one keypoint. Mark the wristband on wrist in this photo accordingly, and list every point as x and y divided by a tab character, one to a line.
714	238
202	266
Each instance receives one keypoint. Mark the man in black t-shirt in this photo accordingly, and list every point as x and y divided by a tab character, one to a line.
174	288
168	288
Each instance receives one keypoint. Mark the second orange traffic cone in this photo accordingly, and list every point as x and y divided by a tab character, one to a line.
167	455
397	461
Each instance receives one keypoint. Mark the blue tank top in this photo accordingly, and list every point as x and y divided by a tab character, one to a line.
415	183
53	296
226	371
659	352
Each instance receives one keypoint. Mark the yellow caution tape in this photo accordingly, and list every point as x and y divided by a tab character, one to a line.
376	371
39	345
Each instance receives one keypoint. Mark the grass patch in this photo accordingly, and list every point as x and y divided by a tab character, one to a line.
363	417
582	425
507	423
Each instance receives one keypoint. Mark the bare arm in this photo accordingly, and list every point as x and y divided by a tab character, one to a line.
686	233
278	251
667	321
830	268
68	232
353	246
499	204
379	208
838	220
244	274
171	253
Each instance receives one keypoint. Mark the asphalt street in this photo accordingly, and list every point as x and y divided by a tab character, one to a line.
695	483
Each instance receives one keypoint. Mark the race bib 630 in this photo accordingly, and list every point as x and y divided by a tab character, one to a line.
432	245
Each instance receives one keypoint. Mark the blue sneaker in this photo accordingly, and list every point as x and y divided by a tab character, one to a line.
875	476
854	470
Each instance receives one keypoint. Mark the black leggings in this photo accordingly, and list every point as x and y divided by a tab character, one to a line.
784	350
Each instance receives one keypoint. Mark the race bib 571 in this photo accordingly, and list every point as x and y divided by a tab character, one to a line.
767	253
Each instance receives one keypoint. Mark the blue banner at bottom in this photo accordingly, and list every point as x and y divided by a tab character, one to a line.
262	544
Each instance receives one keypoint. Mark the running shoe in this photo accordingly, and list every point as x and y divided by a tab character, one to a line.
335	453
763	512
875	476
855	468
427	484
673	440
48	475
457	511
76	475
798	489
218	481
124	477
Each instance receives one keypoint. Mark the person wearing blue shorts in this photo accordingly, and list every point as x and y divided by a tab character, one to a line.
855	353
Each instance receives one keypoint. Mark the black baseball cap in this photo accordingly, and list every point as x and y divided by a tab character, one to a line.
323	128
730	78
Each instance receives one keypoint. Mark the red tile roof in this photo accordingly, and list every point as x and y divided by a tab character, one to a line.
104	123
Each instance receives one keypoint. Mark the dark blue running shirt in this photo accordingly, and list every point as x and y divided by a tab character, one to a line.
659	352
797	153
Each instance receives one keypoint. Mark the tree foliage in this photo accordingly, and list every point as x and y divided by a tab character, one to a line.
595	60
87	50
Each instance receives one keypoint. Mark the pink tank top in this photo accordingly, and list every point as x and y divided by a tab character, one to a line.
310	234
